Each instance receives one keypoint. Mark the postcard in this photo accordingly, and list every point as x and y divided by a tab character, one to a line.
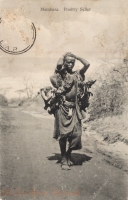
63	100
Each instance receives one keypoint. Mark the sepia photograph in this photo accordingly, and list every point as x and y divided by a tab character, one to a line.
63	100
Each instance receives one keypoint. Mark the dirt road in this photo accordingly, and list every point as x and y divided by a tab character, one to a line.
30	167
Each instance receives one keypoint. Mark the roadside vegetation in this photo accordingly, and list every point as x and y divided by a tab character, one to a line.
110	93
3	100
108	109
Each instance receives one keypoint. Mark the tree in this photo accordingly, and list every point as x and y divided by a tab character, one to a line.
30	86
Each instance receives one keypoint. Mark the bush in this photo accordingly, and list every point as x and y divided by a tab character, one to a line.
3	100
110	93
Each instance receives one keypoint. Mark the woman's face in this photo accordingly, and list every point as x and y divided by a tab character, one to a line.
69	63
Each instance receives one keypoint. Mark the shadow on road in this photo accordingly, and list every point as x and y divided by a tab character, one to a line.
77	158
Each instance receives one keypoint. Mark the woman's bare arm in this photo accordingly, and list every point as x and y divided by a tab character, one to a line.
61	61
85	63
59	64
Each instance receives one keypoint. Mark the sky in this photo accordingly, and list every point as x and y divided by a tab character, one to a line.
96	35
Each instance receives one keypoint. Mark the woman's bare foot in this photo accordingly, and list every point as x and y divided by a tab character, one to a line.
64	164
70	163
68	154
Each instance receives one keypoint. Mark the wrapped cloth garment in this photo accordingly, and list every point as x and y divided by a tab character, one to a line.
68	116
69	127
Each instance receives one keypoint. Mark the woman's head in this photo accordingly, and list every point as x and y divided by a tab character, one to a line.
69	62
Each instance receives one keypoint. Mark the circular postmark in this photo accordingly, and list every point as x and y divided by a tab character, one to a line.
18	35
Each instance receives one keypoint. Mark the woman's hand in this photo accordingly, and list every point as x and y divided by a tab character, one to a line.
70	54
66	54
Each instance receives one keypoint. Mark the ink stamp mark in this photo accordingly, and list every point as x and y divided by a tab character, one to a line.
17	37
